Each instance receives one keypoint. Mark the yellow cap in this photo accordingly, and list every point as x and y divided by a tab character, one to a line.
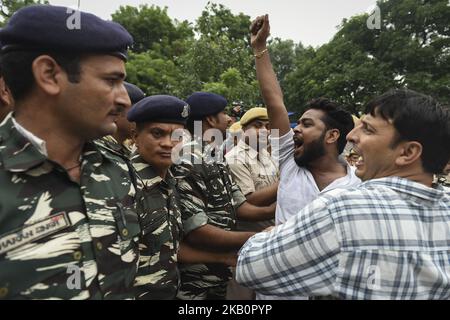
356	120
252	114
235	127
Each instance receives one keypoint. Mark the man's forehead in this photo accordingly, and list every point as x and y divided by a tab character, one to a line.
376	121
312	114
103	62
164	126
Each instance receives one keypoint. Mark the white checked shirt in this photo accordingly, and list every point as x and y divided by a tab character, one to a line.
386	239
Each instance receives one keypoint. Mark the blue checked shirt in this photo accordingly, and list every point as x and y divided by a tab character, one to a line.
385	239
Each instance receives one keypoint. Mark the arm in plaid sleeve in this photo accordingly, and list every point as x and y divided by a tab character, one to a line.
297	258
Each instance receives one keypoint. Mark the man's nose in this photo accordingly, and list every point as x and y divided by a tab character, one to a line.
122	98
298	129
351	137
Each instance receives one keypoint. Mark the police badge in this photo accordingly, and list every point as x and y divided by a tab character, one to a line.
186	111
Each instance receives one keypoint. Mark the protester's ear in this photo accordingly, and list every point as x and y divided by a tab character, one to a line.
409	152
332	136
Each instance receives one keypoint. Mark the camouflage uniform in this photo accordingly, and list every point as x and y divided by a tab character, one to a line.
208	196
161	232
53	229
110	143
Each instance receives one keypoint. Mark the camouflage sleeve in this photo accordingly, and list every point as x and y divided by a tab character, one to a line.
193	204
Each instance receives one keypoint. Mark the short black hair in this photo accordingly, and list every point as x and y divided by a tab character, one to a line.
336	117
417	117
16	68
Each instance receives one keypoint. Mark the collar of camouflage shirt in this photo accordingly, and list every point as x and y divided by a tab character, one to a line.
18	154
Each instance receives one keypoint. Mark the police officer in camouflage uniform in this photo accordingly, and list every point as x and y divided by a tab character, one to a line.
156	118
160	121
68	224
121	140
210	200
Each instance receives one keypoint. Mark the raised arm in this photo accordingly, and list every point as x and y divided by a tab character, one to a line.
270	88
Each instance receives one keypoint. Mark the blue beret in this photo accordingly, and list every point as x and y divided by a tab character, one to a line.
54	28
205	104
160	108
134	92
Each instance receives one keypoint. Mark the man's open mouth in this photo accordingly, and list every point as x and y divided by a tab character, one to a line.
298	142
360	161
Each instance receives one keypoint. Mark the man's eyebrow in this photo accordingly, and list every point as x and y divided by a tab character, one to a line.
116	74
303	120
159	129
367	124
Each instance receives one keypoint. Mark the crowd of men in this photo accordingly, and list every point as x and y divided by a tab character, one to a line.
111	194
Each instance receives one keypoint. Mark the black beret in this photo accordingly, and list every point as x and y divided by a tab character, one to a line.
160	108
54	28
134	92
205	104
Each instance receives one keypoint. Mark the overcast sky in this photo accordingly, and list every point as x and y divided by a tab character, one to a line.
313	22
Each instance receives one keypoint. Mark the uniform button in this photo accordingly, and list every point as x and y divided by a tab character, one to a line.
3	292
125	232
77	255
99	246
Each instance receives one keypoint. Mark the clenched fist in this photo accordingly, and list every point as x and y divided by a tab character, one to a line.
260	31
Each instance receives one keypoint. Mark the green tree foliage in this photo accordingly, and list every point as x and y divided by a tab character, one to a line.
219	64
208	59
217	21
8	7
283	56
153	74
412	50
152	29
233	87
415	42
220	60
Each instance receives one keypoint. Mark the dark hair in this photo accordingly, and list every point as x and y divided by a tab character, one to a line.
335	118
16	68
417	117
